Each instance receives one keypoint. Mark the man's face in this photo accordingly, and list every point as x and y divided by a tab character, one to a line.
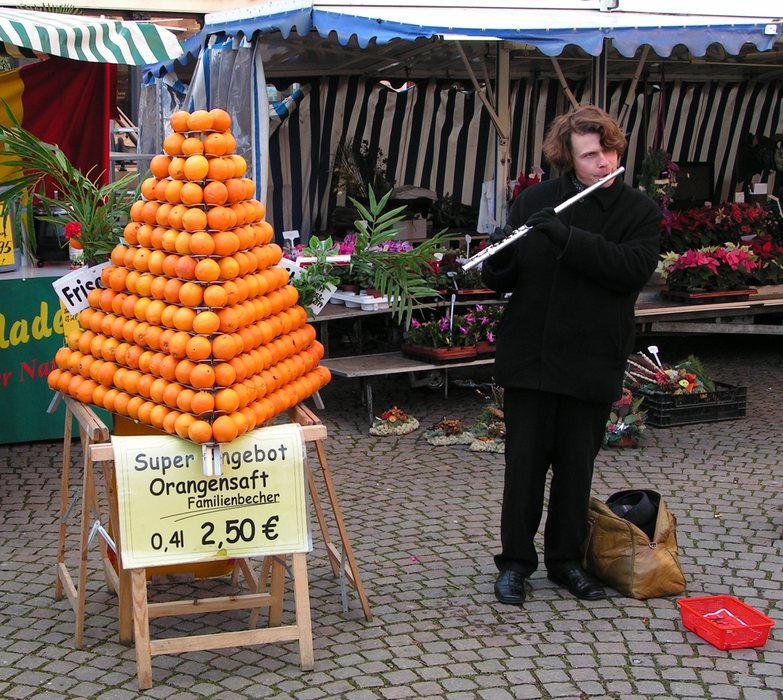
591	160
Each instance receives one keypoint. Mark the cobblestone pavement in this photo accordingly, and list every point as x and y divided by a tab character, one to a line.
424	525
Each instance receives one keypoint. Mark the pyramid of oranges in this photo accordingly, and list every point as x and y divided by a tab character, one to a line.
196	331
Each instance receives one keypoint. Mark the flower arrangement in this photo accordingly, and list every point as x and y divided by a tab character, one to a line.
685	377
457	332
712	268
707	226
449	431
486	318
394	421
489	429
626	426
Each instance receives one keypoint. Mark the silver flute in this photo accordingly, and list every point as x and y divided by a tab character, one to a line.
490	250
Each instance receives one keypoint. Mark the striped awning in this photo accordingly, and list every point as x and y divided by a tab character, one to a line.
25	33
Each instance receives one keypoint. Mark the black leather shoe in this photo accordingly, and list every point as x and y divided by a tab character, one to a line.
510	588
577	582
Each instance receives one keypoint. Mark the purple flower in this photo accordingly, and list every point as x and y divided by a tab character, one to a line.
490	337
415	323
444	323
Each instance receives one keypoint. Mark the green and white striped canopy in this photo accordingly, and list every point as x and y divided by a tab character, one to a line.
25	33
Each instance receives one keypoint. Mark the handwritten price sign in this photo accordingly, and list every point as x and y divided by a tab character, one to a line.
170	513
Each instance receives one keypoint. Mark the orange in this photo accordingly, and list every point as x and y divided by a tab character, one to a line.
202	243
177	168
191	193
231	142
160	189
241	422
147	188
190	294
129	232
215	193
229	320
236	189
179	120
223	429
85	390
224	347
61	357
220	169
207	270
143	414
186	267
206	322
182	243
178	344
221	120
145	382
158	415
203	402
200	120
215	144
184	399
226	400
133	355
170	421
229	268
183	318
173	193
196	167
121	403
250	187
117	257
172	144
225	374
135	210
198	348
168	367
220	218
264	232
149	212
240	165
159	165
199	431
167	317
226	243
202	376
164	391
184	368
169	239
194	219
73	338
182	425
142	257
192	145
215	296
171	290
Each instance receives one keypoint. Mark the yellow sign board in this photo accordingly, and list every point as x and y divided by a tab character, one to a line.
7	256
170	513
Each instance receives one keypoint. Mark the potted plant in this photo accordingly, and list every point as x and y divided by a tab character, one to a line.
486	317
442	339
709	273
99	210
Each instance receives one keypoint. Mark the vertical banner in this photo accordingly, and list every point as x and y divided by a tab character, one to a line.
170	513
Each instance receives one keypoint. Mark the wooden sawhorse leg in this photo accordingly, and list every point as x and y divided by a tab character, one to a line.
348	567
90	431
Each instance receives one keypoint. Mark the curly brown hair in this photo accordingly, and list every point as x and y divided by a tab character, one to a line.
586	119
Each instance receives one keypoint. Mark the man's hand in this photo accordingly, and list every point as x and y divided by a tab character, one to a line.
546	222
500	233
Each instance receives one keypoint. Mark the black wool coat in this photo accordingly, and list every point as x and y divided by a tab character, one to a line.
568	327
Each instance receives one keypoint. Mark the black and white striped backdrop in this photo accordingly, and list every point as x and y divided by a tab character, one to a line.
440	138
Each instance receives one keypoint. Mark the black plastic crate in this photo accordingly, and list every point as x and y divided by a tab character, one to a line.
725	403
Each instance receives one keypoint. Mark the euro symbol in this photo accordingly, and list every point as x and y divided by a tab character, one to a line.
269	526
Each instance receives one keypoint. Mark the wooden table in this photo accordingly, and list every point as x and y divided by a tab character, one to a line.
363	367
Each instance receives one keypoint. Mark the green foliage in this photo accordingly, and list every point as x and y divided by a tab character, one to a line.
316	278
396	274
100	210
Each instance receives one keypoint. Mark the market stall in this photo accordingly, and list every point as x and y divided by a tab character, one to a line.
66	98
455	140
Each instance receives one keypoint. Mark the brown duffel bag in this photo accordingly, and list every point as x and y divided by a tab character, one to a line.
621	555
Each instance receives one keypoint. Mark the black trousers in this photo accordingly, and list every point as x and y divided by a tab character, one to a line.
546	430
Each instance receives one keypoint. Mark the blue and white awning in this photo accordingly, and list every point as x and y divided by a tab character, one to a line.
549	30
25	33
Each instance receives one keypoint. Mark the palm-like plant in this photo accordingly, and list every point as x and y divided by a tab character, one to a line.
396	274
100	210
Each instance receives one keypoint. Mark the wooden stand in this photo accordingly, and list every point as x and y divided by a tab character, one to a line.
131	585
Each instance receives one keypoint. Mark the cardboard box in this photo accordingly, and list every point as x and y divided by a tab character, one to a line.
412	230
